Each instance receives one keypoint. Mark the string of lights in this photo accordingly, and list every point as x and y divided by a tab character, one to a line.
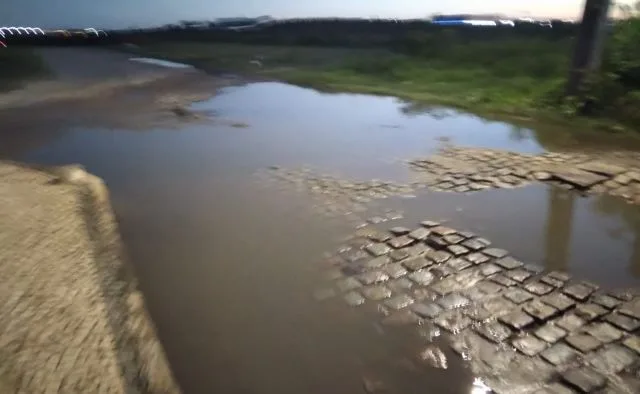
9	31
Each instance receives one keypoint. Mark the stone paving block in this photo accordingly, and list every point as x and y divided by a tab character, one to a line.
376	293
519	275
508	263
398	301
518	295
443	271
578	291
583	342
399	254
399	230
474	294
457	250
429	223
436	242
529	345
359	242
584	379
477	258
631	309
400	285
589	312
353	255
612	359
395	270
421	277
416	263
558	301
550	333
498	305
452	301
495	253
453	321
478	313
347	284
354	298
555	388
453	239
552	281
605	301
458	264
560	354
489	269
633	343
468	235
352	269
539	310
624	322
503	280
488	287
400	242
494	331
442	230
538	288
438	256
377	262
446	286
516	319
418	250
419	234
533	268
559	275
570	322
603	332
426	309
602	168
578	178
379	236
371	277
423	294
622	294
474	244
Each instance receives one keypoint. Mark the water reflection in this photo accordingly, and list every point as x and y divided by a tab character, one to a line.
626	228
558	228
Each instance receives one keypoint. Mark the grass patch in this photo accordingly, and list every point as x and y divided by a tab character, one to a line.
512	75
20	65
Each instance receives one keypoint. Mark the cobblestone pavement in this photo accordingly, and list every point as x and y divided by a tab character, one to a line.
462	169
468	170
71	318
520	328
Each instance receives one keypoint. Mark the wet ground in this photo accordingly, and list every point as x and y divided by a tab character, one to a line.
227	257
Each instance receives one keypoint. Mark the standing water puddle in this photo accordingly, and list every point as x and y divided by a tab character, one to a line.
228	265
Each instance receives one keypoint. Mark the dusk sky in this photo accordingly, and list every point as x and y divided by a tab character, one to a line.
126	13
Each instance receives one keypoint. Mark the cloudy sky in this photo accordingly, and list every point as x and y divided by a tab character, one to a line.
126	13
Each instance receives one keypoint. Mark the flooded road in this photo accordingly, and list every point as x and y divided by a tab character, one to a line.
229	264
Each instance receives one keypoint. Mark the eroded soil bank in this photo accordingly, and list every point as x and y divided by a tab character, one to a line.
72	317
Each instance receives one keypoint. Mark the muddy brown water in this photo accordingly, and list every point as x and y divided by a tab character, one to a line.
229	264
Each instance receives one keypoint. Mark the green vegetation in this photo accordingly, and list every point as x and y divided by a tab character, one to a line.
19	64
509	71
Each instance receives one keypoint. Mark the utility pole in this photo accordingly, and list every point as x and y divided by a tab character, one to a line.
589	44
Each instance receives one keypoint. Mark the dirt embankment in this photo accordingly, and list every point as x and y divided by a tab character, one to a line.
80	73
72	319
